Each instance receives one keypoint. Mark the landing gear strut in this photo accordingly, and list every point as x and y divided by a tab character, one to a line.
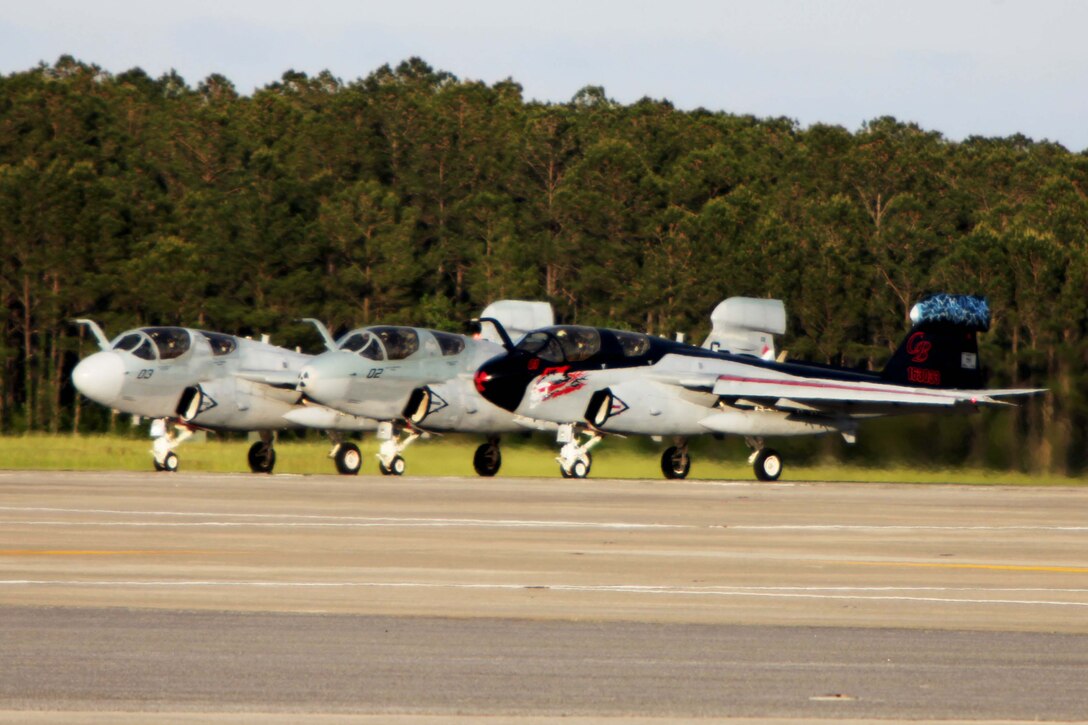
766	461
574	459
675	461
262	455
390	462
164	443
488	458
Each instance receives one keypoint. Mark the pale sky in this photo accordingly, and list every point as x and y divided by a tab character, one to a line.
961	67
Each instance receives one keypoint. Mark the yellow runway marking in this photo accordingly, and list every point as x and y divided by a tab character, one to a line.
90	552
993	567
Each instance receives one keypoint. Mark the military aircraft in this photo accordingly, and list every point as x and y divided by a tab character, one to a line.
415	381
189	379
589	381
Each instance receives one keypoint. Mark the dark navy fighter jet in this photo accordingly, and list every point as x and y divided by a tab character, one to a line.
589	381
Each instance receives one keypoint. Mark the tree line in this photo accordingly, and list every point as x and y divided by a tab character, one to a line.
412	196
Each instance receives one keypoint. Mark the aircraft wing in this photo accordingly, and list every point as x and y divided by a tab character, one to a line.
822	392
286	379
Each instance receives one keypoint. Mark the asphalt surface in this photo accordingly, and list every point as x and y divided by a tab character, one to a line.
203	597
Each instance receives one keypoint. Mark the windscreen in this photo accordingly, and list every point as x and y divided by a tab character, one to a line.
365	344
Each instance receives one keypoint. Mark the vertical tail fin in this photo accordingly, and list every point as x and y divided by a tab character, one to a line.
941	350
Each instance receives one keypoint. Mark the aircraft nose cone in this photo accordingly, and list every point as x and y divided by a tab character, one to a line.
320	382
502	381
100	377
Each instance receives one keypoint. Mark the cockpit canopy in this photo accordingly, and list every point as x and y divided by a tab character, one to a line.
567	343
167	343
150	343
573	343
398	343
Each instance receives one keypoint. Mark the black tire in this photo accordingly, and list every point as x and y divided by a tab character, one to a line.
487	460
580	468
262	457
768	465
170	462
563	471
396	468
158	466
348	459
674	463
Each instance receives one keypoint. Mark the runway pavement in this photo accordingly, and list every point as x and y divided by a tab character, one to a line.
211	596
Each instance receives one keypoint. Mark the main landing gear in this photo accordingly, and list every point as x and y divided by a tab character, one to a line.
574	458
345	455
766	462
262	454
675	461
488	458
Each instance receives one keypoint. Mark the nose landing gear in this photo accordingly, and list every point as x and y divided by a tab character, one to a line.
574	458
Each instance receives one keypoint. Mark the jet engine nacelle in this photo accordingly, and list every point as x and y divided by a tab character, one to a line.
645	408
235	403
456	405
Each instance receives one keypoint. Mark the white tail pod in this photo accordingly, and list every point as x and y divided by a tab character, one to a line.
746	326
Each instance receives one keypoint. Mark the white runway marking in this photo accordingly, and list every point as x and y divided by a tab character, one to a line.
837	593
317	520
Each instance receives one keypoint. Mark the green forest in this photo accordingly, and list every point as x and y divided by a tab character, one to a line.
412	196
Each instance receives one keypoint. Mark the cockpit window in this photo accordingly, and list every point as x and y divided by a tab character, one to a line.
128	342
633	344
221	344
543	345
450	344
172	341
145	351
365	344
137	344
400	342
578	343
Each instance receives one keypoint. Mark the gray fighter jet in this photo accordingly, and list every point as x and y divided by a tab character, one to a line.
186	380
415	381
588	381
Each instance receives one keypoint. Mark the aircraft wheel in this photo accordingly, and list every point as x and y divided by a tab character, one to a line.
487	460
768	465
262	457
348	459
675	463
396	468
169	463
580	468
565	472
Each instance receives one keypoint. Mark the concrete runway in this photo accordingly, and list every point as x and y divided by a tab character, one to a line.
207	597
